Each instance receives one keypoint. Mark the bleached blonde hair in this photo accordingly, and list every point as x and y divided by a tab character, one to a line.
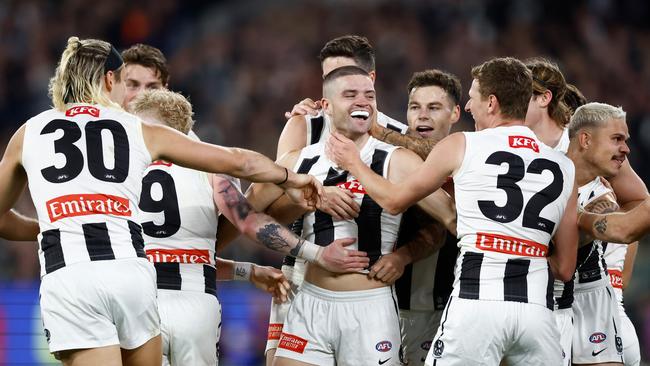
79	76
593	115
171	108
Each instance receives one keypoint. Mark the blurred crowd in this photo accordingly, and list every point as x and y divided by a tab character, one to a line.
244	63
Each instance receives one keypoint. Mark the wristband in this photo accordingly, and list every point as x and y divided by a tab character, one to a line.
286	177
309	251
242	271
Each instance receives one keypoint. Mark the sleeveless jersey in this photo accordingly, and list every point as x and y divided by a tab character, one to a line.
179	221
318	127
615	261
511	192
563	145
375	229
84	167
590	265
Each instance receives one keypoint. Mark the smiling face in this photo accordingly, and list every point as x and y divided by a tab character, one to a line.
138	79
606	147
431	112
350	102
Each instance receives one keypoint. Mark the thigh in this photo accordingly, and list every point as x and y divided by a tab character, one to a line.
631	352
190	322
596	337
564	322
369	332
418	329
471	332
108	356
536	339
295	275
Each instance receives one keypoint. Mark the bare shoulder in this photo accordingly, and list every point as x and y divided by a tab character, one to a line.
293	136
14	150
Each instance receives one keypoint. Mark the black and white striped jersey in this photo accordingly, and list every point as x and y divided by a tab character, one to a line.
590	266
511	192
318	127
84	167
179	221
375	229
426	284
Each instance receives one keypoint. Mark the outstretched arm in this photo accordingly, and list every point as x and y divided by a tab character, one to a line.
618	227
14	226
263	229
418	145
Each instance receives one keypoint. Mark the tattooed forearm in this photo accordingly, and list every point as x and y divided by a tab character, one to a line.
296	250
234	199
270	235
602	206
418	145
601	225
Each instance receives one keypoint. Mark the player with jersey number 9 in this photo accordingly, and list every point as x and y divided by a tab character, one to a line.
84	160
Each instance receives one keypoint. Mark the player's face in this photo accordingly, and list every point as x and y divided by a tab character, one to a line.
477	106
608	148
430	112
138	79
352	105
118	90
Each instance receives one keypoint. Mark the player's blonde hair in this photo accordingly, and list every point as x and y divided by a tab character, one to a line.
79	76
171	108
593	115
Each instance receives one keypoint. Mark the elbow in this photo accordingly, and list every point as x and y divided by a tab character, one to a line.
565	275
394	208
244	163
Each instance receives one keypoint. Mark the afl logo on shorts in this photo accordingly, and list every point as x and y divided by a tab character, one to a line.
597	337
384	346
438	348
426	345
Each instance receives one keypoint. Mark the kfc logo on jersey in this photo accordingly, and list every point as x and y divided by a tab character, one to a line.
384	346
160	162
597	337
87	204
82	109
292	343
509	245
517	142
353	186
616	278
192	256
275	330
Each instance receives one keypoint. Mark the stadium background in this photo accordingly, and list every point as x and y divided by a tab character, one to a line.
244	63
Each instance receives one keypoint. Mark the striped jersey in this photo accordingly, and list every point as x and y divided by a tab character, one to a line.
615	261
511	192
179	221
84	167
590	265
426	284
318	127
375	229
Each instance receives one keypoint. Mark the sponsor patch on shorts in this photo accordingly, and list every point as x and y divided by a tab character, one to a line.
275	330
597	337
384	346
292	343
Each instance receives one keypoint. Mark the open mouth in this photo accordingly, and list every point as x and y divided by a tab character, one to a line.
619	159
424	129
360	114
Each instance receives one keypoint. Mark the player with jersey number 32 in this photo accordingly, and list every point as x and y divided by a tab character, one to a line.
513	194
84	160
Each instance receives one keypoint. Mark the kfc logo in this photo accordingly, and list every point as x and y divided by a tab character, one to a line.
353	186
82	109
517	142
616	278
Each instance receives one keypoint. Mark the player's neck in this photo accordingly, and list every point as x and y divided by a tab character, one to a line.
507	122
548	131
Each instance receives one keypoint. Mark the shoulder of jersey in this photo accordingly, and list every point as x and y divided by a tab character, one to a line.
391	123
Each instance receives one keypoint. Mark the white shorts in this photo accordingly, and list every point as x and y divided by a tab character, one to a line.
343	328
295	275
482	332
100	303
418	329
564	321
190	327
631	352
596	323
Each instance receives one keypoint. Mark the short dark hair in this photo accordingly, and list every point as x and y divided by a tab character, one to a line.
148	56
510	81
352	46
341	72
434	77
574	98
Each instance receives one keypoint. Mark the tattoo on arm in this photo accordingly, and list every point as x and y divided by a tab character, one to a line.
234	199
296	250
602	206
601	225
271	236
420	146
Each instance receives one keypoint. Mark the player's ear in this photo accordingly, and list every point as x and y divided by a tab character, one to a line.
584	137
373	75
327	106
493	103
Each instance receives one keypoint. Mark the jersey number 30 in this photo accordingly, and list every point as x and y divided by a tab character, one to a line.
515	198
